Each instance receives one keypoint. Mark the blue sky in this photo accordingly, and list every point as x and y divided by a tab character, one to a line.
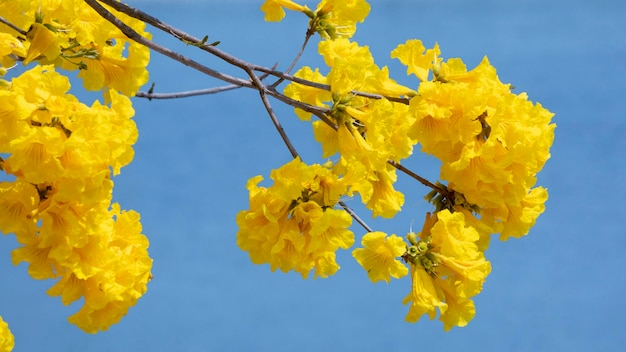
559	288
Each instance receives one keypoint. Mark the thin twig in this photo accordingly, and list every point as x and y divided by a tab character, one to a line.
14	27
419	178
192	93
296	59
355	216
270	111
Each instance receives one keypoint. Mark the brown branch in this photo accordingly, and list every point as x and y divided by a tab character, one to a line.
192	93
268	107
419	178
185	94
297	58
355	216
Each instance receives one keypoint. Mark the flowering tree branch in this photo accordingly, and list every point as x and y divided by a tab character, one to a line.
62	156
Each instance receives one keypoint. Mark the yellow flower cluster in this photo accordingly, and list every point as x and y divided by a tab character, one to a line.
62	154
58	156
71	35
7	341
292	224
490	141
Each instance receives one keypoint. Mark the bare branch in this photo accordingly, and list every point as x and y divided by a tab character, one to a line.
355	216
297	58
186	94
419	178
150	95
270	111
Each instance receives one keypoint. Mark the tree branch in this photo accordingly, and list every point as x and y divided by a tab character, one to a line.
293	63
270	111
355	216
419	178
185	94
150	95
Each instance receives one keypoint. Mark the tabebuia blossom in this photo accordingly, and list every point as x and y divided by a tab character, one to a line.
293	225
447	269
380	256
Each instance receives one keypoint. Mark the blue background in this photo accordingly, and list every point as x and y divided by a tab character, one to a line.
559	288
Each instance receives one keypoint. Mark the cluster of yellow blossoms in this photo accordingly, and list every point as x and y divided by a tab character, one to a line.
292	224
490	141
58	156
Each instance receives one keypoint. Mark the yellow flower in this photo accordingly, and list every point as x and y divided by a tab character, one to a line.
447	269
363	139
379	256
515	220
111	70
43	43
18	202
418	60
350	64
352	145
367	132
123	273
40	94
40	266
7	341
352	67
35	155
327	137
274	12
424	296
10	47
63	153
385	201
336	19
